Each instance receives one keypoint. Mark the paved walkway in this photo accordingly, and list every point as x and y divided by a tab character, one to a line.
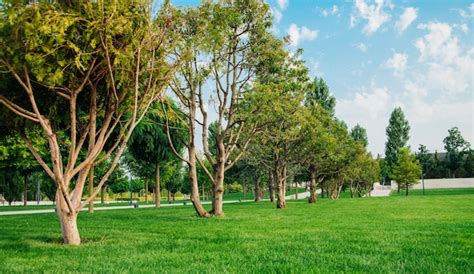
41	211
302	195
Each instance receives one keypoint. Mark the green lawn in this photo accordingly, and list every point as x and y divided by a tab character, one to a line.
437	191
433	233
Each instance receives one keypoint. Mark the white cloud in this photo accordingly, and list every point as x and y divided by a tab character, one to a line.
408	16
282	4
352	21
362	47
397	62
277	15
374	14
302	34
334	10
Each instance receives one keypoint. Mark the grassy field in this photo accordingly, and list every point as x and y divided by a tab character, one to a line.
431	233
437	191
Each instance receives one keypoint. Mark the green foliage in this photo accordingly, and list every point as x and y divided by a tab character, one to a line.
359	134
397	136
456	148
234	187
406	170
320	95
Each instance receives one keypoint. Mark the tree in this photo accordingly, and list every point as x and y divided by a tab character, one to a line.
320	95
425	159
86	74
238	36
359	134
406	170
397	137
149	143
456	147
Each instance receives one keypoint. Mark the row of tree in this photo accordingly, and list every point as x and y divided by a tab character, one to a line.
85	85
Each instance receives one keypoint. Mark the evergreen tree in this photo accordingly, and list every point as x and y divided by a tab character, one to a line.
359	134
320	95
456	147
397	136
425	159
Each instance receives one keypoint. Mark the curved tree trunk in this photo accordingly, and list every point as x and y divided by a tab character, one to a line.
194	183
157	186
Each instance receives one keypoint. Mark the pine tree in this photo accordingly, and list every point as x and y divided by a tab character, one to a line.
397	136
359	134
320	95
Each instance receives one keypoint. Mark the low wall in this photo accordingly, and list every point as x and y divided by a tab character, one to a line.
442	183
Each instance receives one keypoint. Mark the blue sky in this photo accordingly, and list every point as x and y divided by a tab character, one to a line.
376	55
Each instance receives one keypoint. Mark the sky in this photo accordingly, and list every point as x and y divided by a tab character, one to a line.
376	55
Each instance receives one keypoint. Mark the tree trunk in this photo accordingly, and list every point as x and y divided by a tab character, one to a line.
68	222
258	193
296	191
157	186
398	187
406	187
169	195
91	189
312	189
102	195
322	190
271	184
281	188
218	188
25	193
146	190
194	183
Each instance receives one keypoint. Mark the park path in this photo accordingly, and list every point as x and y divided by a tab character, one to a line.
42	211
302	195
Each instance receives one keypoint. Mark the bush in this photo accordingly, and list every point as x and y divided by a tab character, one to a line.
234	188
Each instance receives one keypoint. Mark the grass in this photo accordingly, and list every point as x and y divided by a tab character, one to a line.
437	191
426	234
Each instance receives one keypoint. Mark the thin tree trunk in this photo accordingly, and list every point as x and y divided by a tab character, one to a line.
257	190
406	187
25	192
271	184
146	190
102	194
91	188
157	186
296	190
169	195
312	189
322	190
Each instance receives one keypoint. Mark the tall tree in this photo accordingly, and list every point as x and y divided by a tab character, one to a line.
320	95
359	134
397	136
425	159
406	170
237	40
456	147
149	142
86	81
